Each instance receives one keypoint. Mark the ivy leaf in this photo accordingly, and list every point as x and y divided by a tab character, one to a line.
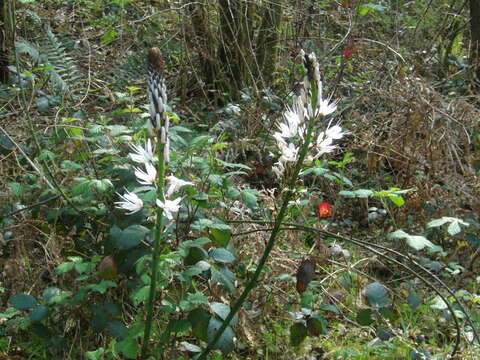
131	237
221	237
23	302
222	255
360	193
415	241
225	342
298	333
249	196
377	294
199	318
364	317
316	325
413	299
454	226
38	313
222	310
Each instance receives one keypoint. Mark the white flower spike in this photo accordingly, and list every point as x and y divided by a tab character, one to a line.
169	207
131	202
175	184
141	154
326	107
146	177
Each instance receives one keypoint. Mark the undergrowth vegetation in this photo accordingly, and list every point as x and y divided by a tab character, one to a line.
239	180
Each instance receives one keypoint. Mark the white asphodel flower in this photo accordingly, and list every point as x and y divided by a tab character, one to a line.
131	202
335	132
289	153
175	184
278	169
147	177
324	144
141	154
280	141
169	207
326	107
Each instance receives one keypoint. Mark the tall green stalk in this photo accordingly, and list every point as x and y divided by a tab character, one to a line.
159	227
159	127
271	242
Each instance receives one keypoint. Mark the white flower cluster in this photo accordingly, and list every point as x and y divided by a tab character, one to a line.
146	156
296	119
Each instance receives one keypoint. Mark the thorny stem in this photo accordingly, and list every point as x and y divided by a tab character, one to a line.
273	235
156	248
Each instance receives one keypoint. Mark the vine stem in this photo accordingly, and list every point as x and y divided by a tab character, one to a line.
159	227
271	242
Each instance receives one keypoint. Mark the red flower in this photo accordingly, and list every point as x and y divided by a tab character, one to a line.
325	210
349	51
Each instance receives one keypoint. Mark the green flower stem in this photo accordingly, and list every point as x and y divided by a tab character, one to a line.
156	248
273	235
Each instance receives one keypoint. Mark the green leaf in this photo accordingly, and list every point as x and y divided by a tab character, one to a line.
413	299
298	333
49	293
415	241
64	268
95	355
16	188
377	295
109	36
193	300
249	196
360	193
329	307
102	287
201	224
38	313
101	185
454	226
23	302
46	155
364	9
180	325
388	313
186	346
225	342
233	165
438	222
199	318
232	193
364	317
220	277
140	295
130	348
215	180
117	329
195	254
70	165
316	325
397	200
131	237
221	237
58	298
222	310
438	303
222	255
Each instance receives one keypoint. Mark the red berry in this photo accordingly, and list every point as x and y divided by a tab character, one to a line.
325	210
349	51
